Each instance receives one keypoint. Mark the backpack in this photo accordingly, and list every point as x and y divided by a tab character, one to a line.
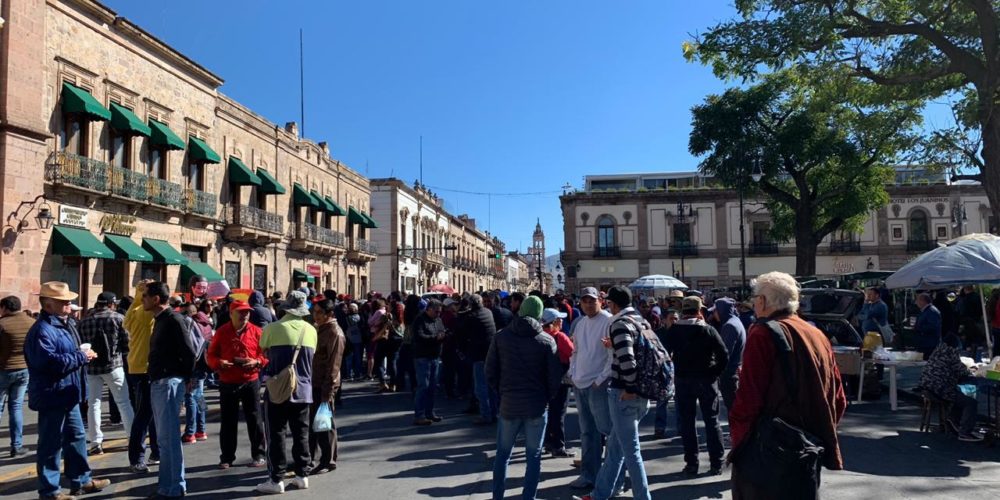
197	342
654	368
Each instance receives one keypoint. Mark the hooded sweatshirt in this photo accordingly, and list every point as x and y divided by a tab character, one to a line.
523	367
261	315
139	325
733	335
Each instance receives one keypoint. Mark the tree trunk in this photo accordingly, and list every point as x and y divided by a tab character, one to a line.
805	241
990	123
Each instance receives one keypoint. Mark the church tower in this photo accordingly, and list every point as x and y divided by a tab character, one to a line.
536	253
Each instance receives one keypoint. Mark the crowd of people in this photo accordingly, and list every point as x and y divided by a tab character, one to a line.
281	360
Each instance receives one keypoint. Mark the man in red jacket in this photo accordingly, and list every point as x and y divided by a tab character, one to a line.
235	354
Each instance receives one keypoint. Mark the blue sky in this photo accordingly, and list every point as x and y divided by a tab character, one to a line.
510	97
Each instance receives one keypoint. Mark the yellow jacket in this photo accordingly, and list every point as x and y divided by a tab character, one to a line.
139	325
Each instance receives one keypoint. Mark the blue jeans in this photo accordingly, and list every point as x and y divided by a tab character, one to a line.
486	397
595	421
195	408
507	432
61	436
427	377
623	447
660	424
13	384
166	395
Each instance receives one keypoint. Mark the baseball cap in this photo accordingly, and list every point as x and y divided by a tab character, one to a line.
107	298
239	305
691	304
549	315
591	292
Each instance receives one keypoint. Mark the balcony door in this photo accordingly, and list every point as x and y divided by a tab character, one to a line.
919	230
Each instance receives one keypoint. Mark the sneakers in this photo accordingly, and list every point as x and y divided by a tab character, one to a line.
971	437
299	482
690	470
93	486
423	421
188	438
581	483
18	452
139	468
225	465
257	463
153	460
97	449
201	436
270	487
716	470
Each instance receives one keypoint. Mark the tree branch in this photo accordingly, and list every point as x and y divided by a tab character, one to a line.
908	79
828	227
987	27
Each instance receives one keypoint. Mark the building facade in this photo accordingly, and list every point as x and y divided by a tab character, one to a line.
620	227
148	171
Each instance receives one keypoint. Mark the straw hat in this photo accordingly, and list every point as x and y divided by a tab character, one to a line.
57	290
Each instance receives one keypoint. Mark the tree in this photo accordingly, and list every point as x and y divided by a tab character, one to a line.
913	49
825	160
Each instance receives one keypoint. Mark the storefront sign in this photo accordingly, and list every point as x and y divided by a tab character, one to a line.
919	200
842	267
314	269
71	216
118	224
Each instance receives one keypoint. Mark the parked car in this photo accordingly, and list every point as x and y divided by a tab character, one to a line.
832	310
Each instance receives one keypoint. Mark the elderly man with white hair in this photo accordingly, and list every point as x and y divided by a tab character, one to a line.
800	385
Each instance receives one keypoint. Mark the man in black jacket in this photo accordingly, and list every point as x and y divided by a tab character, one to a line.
171	363
478	328
523	368
428	334
699	356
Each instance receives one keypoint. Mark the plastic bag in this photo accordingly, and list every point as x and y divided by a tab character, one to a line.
324	419
968	389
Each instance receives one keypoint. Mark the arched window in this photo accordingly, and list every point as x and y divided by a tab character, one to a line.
606	246
918	226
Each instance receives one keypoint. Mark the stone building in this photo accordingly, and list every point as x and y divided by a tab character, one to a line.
426	246
620	227
148	171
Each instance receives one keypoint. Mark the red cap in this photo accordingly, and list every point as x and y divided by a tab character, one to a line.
239	305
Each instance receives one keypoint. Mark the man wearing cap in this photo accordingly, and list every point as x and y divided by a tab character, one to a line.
280	341
14	326
235	354
700	357
590	371
56	387
555	434
523	368
625	405
105	332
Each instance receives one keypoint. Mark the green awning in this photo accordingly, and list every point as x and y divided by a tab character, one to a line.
355	217
299	275
163	136
301	197
125	121
199	151
321	203
336	210
240	174
77	100
196	267
126	249
163	252
268	184
371	222
73	242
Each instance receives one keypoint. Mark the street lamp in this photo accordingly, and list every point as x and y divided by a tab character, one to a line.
958	218
756	176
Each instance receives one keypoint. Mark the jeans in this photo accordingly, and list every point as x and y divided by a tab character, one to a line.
623	447
119	390
385	359
555	432
507	432
231	396
141	422
13	384
595	422
167	395
296	416
660	423
355	362
195	408
61	437
427	377
487	397
692	393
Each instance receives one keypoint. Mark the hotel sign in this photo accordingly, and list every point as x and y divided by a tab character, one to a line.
123	225
902	201
74	217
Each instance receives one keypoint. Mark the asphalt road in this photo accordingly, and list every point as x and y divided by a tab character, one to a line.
382	456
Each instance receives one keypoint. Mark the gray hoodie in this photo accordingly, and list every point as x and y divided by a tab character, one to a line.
733	335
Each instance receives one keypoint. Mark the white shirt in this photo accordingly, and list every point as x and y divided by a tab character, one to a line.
591	362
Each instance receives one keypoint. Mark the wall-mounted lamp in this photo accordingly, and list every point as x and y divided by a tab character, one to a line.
43	218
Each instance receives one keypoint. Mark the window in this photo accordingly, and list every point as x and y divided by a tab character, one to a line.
682	233
918	226
260	278
193	253
232	274
761	232
121	149
605	232
654	183
196	175
842	235
73	137
153	271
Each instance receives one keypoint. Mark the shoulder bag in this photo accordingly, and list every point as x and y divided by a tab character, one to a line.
281	386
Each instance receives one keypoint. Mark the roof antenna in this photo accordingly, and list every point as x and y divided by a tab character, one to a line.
302	88
421	160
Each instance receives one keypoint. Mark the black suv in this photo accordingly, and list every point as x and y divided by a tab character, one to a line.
832	310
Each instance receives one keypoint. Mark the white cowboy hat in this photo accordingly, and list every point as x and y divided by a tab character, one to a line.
57	290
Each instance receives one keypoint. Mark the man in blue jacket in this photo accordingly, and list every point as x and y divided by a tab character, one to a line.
56	387
928	326
735	337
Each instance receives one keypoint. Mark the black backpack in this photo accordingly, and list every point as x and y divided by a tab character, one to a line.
654	368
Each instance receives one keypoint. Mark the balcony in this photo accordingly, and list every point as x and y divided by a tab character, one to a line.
683	249
845	246
362	251
763	248
315	239
165	194
607	252
129	184
253	225
200	203
447	262
407	252
75	171
920	245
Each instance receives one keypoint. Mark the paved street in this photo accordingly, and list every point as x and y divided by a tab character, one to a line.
383	457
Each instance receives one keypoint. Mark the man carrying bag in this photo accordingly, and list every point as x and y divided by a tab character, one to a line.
784	420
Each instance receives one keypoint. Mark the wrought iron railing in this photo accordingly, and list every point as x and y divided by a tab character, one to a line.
129	183
920	245
200	202
165	193
763	248
365	246
683	248
330	237
76	170
845	246
406	251
607	252
256	218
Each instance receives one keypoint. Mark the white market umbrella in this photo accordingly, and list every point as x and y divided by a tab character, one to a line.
972	259
657	283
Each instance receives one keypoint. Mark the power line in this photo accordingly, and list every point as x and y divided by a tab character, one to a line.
486	193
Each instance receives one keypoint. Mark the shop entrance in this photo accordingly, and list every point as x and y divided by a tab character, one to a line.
116	277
